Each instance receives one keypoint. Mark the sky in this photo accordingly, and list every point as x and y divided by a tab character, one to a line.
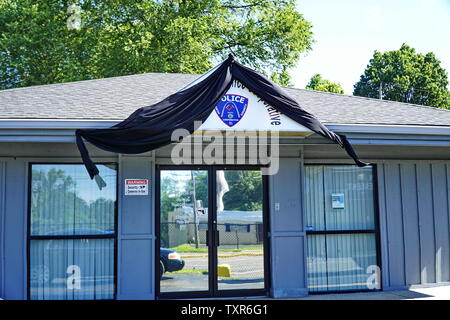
347	32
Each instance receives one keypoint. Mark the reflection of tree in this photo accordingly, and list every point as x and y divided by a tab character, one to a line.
170	199
176	193
245	191
201	188
56	206
245	194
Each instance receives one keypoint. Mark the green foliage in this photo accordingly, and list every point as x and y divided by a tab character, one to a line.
319	84
245	192
201	188
189	271
406	76
128	37
57	207
186	248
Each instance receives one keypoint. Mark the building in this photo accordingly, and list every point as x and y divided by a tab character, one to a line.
320	224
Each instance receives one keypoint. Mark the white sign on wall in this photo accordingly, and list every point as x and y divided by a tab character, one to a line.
136	187
241	110
337	200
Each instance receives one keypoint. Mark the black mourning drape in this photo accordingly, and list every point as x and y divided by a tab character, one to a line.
151	127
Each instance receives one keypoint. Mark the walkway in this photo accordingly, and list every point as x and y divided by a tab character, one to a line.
431	293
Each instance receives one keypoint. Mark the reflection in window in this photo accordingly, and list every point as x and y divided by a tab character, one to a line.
339	262
351	185
340	226
72	233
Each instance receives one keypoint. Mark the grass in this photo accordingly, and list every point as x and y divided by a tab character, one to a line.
190	271
183	248
186	248
242	249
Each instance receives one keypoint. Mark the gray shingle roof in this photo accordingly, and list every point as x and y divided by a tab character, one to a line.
115	98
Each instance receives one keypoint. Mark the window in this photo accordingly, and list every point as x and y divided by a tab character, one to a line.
235	227
341	228
72	233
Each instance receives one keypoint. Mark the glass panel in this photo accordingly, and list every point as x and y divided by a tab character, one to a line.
317	263
314	204
183	229
65	201
240	227
348	257
339	262
349	203
72	269
339	198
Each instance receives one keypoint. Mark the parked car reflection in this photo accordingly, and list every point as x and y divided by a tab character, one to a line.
170	261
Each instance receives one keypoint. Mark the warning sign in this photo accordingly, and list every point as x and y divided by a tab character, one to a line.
136	187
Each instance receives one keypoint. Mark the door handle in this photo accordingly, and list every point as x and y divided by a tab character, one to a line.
217	238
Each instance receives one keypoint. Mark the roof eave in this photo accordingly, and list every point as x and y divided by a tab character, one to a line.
52	124
58	130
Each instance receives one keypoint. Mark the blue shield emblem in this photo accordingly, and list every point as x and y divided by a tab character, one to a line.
231	108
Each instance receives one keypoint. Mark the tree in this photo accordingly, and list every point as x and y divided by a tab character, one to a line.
57	206
55	41
320	84
406	76
245	192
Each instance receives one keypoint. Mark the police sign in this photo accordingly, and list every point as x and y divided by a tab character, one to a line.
241	110
231	108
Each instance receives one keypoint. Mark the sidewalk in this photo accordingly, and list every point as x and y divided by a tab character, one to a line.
431	293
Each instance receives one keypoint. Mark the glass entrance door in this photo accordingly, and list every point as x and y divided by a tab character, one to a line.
212	232
240	228
184	230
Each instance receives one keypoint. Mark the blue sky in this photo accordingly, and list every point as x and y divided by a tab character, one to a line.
348	31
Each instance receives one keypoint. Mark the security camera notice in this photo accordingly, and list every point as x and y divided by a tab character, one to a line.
136	187
223	311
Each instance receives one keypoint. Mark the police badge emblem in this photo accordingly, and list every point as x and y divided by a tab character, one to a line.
231	108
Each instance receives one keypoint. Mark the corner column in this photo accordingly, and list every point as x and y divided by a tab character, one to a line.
288	241
136	250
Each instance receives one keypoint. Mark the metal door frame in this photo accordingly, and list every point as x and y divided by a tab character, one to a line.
213	291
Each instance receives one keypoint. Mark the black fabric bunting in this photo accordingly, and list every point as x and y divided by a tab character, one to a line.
151	127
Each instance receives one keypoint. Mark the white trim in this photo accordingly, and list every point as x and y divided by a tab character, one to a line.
388	128
62	130
55	124
338	127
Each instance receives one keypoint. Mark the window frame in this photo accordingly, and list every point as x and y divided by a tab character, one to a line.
266	227
375	230
30	237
